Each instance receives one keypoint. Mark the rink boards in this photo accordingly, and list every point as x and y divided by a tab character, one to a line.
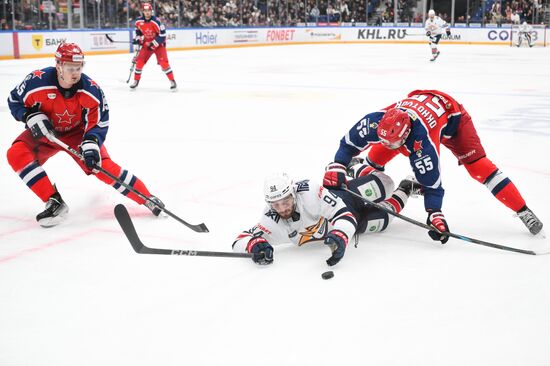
27	44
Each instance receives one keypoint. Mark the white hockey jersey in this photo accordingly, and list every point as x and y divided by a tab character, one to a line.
317	212
525	28
436	26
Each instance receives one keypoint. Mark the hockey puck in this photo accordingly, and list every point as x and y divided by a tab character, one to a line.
327	275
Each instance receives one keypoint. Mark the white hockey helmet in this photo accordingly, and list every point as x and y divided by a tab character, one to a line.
431	13
277	186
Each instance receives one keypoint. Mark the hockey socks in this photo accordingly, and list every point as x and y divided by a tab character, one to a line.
125	176
485	172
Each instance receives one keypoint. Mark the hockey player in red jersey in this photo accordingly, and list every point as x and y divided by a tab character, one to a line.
63	101
416	127
151	35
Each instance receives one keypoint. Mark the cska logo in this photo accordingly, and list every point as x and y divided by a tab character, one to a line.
37	41
417	148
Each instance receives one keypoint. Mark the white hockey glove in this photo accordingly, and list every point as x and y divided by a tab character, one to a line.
38	123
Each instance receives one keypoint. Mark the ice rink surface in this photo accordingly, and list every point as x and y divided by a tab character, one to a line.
77	294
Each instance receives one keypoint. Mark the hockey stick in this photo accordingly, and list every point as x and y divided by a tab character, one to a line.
136	52
113	41
201	228
125	222
453	235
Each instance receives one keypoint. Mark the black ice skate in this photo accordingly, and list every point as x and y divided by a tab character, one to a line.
153	204
411	187
55	212
134	84
530	220
434	56
173	85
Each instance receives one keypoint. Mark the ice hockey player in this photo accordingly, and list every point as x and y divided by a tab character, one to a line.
67	103
435	26
416	127
303	212
150	34
524	31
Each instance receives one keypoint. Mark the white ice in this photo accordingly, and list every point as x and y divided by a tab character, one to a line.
77	294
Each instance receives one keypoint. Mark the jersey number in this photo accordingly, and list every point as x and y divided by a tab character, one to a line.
434	105
424	165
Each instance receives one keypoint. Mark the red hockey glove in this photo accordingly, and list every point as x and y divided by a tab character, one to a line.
262	250
436	219
337	241
335	175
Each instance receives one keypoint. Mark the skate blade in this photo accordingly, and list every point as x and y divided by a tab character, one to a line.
54	221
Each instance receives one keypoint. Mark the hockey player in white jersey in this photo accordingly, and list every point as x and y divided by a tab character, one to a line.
524	32
435	26
304	211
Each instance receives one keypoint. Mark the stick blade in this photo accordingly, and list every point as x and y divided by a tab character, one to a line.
127	226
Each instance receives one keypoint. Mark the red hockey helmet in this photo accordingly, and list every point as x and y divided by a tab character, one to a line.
394	128
146	6
69	52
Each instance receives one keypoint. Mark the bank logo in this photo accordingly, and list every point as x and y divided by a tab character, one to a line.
37	41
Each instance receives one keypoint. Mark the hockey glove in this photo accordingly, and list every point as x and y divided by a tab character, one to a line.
448	31
90	154
262	251
335	175
337	241
38	123
153	45
137	41
428	34
436	219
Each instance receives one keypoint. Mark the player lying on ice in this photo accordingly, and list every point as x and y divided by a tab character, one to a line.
63	101
416	127
303	212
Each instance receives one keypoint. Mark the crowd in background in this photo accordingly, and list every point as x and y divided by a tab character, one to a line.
30	14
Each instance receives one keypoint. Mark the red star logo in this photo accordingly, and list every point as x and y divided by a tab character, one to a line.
417	145
65	117
93	83
37	74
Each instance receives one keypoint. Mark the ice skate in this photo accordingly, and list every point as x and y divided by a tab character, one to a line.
153	204
434	56
134	84
55	212
173	85
531	221
411	187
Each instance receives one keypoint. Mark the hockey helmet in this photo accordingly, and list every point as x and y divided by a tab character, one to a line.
277	186
394	128
147	6
69	52
431	13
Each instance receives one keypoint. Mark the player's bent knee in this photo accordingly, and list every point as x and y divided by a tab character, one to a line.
481	169
376	186
19	156
111	167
